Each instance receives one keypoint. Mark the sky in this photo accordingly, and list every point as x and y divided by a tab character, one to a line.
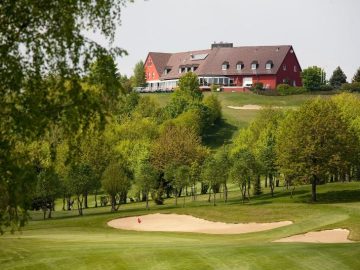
325	33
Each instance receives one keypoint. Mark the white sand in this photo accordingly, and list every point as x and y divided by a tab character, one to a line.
246	107
251	107
185	223
327	236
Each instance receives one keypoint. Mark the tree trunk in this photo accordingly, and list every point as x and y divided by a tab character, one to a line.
184	198
225	193
176	195
86	200
51	208
147	200
214	198
64	201
96	205
266	181
271	183
209	199
80	205
313	188
68	199
113	203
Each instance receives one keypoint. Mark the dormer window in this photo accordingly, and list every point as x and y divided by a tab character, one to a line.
167	71
239	66
225	66
269	65
254	65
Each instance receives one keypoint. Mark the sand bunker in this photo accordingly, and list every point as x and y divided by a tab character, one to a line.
246	107
250	107
185	223
327	236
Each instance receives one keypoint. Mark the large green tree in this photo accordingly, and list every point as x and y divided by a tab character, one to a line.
43	52
313	78
115	181
312	142
138	78
356	77
338	78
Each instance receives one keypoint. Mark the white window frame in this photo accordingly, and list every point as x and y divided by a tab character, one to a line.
295	68
239	66
268	66
284	67
224	67
253	66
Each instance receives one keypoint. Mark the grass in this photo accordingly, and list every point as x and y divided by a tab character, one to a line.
68	241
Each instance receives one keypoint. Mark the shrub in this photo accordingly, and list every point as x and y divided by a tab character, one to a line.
285	90
351	87
257	87
326	87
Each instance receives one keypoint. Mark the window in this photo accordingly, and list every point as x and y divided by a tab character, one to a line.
295	68
284	67
239	66
153	75
269	65
149	62
254	65
225	66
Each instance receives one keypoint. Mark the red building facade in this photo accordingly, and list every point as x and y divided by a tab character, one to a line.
232	68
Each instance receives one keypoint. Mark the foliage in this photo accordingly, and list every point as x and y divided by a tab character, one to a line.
116	180
189	87
139	75
338	78
285	90
313	141
146	177
176	145
351	87
313	78
214	105
80	180
356	77
242	171
257	87
43	53
104	74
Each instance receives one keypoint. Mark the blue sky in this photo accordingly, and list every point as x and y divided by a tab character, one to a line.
323	32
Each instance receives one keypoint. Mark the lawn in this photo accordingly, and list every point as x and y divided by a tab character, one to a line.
71	242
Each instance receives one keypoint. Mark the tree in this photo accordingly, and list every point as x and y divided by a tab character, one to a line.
47	189
338	78
104	74
80	179
313	78
146	177
312	142
356	77
176	145
116	180
224	164
41	60
189	87
214	105
243	171
211	175
139	79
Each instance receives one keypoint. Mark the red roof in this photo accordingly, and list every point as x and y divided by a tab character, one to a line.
209	62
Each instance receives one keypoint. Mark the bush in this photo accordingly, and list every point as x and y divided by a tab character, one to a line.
326	87
285	90
257	87
351	87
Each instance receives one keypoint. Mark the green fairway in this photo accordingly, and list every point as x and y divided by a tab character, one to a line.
68	241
